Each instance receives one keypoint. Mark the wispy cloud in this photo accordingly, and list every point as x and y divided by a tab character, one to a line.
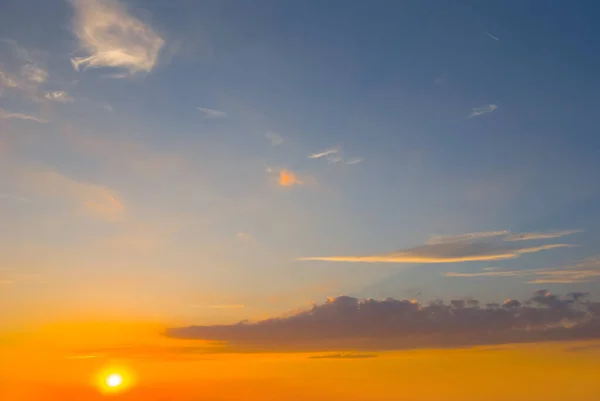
492	36
334	156
59	96
274	138
110	36
344	322
477	111
17	198
540	235
212	113
34	73
6	80
586	271
324	153
478	246
7	115
288	178
96	200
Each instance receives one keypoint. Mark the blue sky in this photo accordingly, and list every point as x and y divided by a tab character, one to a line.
156	156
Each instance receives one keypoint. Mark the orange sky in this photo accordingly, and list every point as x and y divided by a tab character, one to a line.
66	362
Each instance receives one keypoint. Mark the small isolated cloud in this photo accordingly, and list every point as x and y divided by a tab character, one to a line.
323	154
492	36
344	322
583	272
274	138
212	113
59	96
288	178
477	111
334	156
478	246
96	200
7	115
111	37
343	356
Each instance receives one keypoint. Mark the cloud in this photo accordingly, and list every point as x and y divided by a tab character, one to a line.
476	246
212	113
366	324
17	198
288	178
34	73
7	115
274	138
354	161
477	111
323	154
334	156
492	36
540	235
110	37
96	200
6	80
586	271
343	356
58	96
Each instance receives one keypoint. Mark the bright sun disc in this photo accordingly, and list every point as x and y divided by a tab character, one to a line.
114	380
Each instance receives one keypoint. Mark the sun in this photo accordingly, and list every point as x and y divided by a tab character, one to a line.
114	380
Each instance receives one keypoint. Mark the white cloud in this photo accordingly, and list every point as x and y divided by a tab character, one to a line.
274	137
477	111
212	113
7	115
324	153
492	36
59	96
111	37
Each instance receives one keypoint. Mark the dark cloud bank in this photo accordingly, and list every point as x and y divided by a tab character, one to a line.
349	323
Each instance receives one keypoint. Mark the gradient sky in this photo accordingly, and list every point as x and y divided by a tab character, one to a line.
175	161
184	164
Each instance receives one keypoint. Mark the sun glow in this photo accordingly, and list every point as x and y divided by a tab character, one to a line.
114	380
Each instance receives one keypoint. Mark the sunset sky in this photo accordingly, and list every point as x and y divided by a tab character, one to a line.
399	200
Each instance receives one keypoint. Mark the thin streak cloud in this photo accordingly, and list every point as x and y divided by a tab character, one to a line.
323	154
477	246
7	115
492	36
212	113
478	111
540	235
110	37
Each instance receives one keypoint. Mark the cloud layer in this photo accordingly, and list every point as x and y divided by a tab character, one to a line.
111	37
345	322
586	271
479	246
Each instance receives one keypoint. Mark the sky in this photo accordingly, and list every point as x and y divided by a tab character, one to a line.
357	183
